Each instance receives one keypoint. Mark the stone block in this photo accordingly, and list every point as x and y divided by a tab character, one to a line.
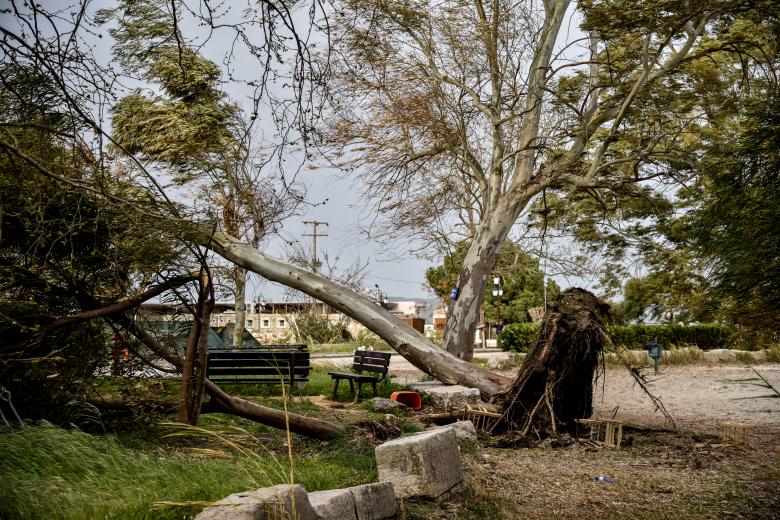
368	502
427	464
375	501
384	405
720	355
272	503
334	504
452	397
466	434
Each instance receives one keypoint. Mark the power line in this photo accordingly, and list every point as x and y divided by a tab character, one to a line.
396	280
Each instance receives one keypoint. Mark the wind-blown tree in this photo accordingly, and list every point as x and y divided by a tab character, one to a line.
460	114
195	132
522	282
658	242
594	145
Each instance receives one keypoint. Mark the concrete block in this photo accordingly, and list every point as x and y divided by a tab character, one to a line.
466	434
500	361
427	464
334	504
452	397
368	502
375	501
272	503
384	405
720	355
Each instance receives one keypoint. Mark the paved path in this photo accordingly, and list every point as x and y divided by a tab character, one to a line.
399	366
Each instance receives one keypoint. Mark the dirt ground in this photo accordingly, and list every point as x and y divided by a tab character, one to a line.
697	396
657	473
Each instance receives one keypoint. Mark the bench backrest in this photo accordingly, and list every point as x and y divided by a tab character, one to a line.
258	366
370	361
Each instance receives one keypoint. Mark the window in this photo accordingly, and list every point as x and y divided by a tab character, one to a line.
250	323
281	323
265	323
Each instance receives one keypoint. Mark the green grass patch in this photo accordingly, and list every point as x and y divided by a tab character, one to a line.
48	472
320	383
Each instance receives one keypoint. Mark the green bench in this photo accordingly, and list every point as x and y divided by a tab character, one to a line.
273	364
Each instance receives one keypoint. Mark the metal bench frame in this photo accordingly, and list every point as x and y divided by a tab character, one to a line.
364	361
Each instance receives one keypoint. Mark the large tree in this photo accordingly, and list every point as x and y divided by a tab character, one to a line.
461	114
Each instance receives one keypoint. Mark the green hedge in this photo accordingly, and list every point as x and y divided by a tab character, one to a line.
519	337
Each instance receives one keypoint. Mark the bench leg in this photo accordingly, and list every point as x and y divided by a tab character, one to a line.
336	388
351	388
373	387
360	391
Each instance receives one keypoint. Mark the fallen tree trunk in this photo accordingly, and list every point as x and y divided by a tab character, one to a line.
224	403
554	387
406	341
221	402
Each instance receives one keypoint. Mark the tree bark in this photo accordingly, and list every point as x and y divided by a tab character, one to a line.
193	374
463	313
239	279
408	342
222	402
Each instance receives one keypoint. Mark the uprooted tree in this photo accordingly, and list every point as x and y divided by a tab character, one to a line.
554	387
595	138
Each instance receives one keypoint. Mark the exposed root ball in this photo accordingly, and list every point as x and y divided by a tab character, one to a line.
555	384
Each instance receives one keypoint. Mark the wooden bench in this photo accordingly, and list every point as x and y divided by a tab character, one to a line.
280	364
365	361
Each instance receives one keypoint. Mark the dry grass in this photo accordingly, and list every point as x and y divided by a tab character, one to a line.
660	475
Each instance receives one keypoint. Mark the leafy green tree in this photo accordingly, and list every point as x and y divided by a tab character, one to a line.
63	250
737	227
521	280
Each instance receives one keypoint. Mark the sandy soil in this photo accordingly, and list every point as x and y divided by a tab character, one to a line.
657	473
696	396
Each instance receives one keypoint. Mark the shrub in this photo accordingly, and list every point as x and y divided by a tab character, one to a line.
705	336
314	328
517	337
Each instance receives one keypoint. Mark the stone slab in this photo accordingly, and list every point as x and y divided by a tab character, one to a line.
367	502
384	405
375	501
423	465
452	397
466	434
500	361
280	502
334	504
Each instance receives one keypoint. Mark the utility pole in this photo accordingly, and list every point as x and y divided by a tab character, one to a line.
314	235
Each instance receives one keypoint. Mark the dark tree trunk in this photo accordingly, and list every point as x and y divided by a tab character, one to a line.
555	384
309	426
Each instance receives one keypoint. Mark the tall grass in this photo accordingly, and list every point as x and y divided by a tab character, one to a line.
48	472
